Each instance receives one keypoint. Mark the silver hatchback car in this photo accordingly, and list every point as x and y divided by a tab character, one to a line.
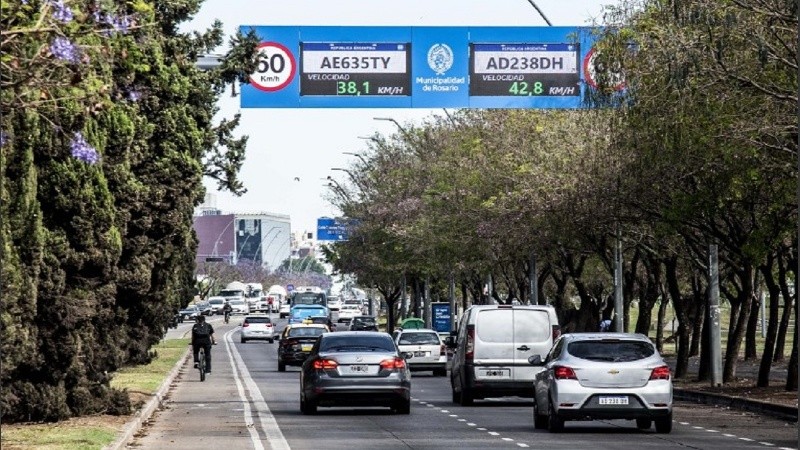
603	376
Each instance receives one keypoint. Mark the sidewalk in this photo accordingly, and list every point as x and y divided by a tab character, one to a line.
742	393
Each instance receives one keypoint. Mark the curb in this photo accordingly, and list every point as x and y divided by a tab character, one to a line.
770	409
143	415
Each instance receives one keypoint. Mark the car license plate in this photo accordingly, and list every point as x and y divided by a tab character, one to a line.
613	400
421	353
307	347
359	368
494	373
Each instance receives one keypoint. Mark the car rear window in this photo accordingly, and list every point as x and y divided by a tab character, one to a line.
334	343
257	320
418	339
615	350
363	321
306	331
494	325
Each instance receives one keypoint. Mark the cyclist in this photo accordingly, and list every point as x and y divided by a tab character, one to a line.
203	336
227	309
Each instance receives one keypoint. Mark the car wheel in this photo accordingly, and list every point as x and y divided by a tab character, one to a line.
440	372
539	420
307	407
402	407
555	424
244	340
467	399
281	366
643	424
271	341
664	424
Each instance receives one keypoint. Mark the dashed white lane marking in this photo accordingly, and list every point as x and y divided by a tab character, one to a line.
471	424
494	433
766	444
462	420
482	429
445	411
453	415
507	439
520	444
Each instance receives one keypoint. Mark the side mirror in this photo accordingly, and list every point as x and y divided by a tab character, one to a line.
450	342
535	360
408	355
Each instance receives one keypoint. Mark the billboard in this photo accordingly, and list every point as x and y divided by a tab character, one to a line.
329	229
420	67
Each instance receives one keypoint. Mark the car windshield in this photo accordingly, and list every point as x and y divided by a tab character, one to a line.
236	302
363	321
306	331
257	320
334	343
418	339
615	350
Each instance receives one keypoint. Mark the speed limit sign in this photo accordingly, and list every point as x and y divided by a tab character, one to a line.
597	69
276	67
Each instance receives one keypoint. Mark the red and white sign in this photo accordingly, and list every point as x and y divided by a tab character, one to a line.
276	67
595	67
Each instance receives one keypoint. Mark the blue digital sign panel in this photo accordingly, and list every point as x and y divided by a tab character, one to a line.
421	67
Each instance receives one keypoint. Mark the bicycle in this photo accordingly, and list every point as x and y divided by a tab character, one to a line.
201	363
227	317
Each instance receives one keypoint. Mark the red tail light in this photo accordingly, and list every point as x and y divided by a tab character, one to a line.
469	352
393	364
556	332
322	364
660	373
442	350
245	325
564	373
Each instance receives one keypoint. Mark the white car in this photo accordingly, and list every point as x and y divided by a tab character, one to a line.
347	312
257	326
284	310
239	307
603	376
216	304
424	349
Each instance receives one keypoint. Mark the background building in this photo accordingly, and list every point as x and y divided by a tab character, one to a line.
262	238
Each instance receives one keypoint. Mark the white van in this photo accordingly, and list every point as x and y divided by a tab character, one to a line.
492	346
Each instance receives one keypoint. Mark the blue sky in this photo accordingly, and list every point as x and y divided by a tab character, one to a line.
292	151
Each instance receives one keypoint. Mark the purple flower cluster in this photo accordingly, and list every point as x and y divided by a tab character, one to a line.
65	50
134	96
120	24
3	138
61	12
82	150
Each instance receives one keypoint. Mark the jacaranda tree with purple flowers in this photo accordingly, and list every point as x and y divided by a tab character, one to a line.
107	131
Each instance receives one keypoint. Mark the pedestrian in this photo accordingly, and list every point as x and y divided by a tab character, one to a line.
605	325
203	336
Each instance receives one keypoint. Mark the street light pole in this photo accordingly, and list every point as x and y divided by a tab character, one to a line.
216	241
357	156
397	124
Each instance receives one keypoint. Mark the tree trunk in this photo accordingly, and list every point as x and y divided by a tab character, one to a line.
662	319
699	315
704	369
772	328
788	309
750	351
680	305
736	335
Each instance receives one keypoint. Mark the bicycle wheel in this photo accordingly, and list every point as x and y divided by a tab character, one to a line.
201	363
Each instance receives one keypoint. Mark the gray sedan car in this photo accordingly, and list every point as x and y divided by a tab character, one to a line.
355	368
603	376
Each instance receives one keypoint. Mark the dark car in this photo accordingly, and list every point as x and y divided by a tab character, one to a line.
324	320
355	368
189	313
296	342
363	323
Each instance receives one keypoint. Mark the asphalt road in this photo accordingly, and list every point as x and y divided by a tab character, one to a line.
247	404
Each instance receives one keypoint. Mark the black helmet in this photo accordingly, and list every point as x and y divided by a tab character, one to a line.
200	318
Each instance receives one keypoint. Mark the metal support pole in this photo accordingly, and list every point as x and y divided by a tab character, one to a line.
489	289
713	310
451	293
534	281
618	304
404	301
426	304
763	314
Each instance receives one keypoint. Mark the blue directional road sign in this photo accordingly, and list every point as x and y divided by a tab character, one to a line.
329	229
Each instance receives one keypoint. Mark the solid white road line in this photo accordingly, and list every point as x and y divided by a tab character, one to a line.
270	426
248	417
